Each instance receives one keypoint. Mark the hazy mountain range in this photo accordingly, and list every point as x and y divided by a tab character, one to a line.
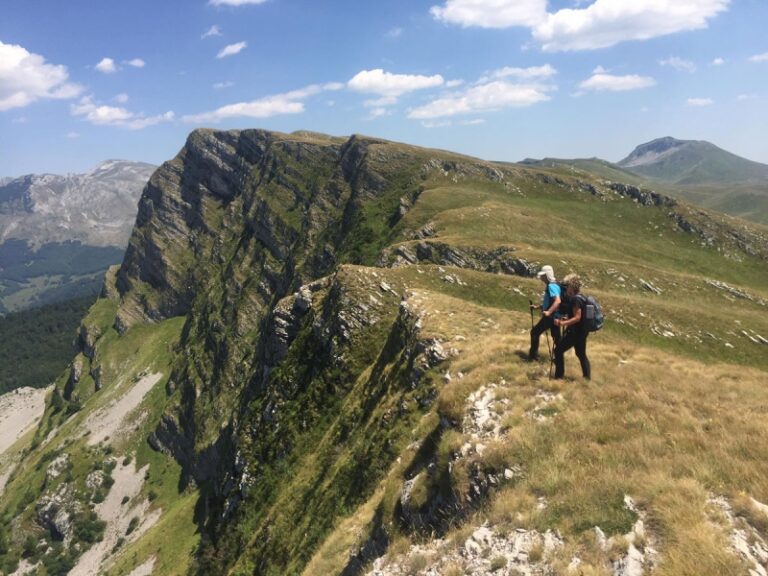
58	234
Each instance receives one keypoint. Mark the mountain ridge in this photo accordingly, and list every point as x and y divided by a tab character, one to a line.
321	342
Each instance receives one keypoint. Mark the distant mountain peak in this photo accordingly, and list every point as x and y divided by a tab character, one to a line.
691	162
653	151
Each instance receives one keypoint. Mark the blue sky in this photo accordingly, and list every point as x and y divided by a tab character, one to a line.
82	81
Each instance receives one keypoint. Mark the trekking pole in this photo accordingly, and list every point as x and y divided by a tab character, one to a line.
551	356
530	307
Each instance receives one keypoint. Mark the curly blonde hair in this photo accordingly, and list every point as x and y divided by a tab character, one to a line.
573	282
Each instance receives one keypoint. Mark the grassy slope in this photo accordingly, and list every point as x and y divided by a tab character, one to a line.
670	420
747	200
143	349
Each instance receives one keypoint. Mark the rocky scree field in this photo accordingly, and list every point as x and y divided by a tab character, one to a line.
311	362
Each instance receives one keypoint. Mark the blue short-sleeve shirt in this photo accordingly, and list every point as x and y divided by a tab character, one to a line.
552	292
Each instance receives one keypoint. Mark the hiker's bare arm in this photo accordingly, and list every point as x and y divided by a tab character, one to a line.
574	319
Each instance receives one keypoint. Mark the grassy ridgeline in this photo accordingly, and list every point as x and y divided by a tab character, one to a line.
36	344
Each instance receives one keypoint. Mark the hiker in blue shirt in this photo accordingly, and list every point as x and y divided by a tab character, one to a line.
548	306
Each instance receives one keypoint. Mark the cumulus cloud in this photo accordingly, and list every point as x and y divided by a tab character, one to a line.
136	63
454	83
121	98
491	13
234	2
488	97
231	49
379	112
679	64
699	102
436	123
26	77
533	72
222	85
266	107
745	97
609	22
212	31
602	24
391	85
107	66
718	62
102	115
380	102
601	81
757	58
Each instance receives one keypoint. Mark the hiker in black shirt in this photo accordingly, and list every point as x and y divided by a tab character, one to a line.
576	330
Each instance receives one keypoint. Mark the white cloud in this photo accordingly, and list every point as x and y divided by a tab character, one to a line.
491	13
266	107
488	97
27	77
121	98
393	85
212	31
379	112
454	83
222	85
394	33
757	58
136	63
532	72
699	102
718	62
234	2
602	24
744	97
679	64
102	115
107	66
379	102
73	135
602	82
231	49
475	122
609	22
436	123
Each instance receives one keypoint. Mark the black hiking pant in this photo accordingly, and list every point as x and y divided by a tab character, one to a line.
577	339
546	323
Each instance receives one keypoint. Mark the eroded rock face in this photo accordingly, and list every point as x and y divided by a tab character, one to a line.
56	512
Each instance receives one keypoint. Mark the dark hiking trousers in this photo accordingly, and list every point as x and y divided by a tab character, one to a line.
546	323
577	339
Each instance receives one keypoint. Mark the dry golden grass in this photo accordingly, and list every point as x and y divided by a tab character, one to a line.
668	430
